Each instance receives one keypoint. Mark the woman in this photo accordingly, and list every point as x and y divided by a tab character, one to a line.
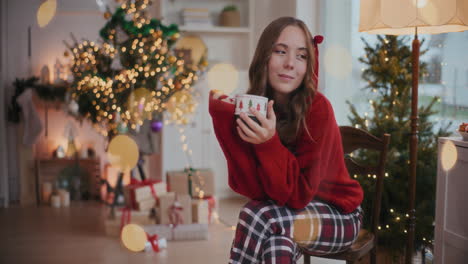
291	164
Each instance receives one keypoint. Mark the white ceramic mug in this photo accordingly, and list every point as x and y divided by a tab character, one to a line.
245	101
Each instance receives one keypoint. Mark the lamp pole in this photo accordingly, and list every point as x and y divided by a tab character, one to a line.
413	149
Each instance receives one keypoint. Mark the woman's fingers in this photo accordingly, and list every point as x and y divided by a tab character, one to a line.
246	129
242	135
259	116
271	112
254	126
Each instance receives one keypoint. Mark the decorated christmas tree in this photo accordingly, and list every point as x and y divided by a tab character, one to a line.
388	75
131	76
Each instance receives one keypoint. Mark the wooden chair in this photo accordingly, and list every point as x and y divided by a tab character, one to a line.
353	139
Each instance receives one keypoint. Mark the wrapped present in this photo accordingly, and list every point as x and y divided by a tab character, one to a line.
113	226
202	210
146	205
174	209
138	191
195	182
155	243
180	232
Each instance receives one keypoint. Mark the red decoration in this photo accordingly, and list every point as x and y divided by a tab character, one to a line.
154	242
175	213
135	184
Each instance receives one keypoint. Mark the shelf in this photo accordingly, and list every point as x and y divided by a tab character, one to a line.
214	29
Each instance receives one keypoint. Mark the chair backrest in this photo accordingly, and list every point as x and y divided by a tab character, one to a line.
355	138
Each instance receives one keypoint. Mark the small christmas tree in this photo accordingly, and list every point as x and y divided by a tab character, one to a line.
388	74
131	76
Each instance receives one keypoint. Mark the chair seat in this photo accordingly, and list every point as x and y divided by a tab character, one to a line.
363	244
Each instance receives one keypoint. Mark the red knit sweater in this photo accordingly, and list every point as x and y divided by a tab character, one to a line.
270	171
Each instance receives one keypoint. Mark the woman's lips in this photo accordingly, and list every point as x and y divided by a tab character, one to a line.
285	77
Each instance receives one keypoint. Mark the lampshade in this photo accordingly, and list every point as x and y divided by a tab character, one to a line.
400	17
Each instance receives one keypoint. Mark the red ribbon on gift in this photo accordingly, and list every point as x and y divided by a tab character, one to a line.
154	242
211	205
125	218
175	213
134	184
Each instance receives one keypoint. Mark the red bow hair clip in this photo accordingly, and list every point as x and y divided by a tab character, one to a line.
317	39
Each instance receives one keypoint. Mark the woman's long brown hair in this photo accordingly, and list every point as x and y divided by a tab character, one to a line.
292	116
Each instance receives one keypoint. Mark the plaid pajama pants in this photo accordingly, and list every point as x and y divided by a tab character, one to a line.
268	233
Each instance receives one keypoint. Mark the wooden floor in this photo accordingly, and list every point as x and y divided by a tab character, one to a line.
75	235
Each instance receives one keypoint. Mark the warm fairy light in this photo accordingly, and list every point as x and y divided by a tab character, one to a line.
169	73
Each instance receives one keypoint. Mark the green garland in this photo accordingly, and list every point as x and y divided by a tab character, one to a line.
47	92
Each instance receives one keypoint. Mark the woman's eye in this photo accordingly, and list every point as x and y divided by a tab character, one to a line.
302	56
280	52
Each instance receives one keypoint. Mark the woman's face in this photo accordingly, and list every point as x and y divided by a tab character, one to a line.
288	62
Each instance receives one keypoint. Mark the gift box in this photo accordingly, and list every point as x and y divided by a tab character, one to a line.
180	232
174	209
146	205
201	183
113	226
202	210
137	193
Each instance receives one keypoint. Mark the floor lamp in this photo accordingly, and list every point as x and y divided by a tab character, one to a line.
408	17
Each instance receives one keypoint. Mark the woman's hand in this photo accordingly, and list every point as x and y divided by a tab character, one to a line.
254	133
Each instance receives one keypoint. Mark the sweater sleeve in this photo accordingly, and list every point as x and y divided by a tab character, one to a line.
240	156
293	179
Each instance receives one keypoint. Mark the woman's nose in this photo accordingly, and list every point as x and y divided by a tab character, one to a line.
289	62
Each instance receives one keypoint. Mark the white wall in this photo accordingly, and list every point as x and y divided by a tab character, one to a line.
4	193
335	52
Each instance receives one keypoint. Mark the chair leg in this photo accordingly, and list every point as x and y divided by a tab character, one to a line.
373	256
306	259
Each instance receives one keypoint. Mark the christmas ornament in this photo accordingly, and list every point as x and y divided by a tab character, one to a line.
122	128
156	125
